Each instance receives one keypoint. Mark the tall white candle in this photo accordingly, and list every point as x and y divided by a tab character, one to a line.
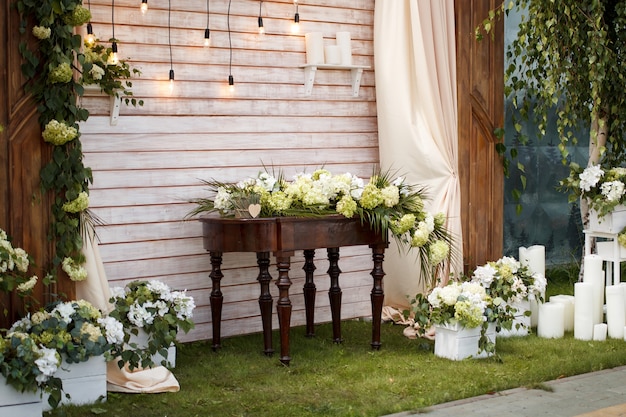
345	45
533	257
314	48
550	323
583	310
615	311
599	332
332	55
594	275
568	304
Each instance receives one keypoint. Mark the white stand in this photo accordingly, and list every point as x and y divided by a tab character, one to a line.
609	251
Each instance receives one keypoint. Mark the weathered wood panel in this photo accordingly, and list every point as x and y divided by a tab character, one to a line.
150	164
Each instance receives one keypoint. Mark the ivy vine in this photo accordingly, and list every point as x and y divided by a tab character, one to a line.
53	53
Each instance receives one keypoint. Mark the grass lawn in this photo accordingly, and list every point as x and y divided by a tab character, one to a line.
350	379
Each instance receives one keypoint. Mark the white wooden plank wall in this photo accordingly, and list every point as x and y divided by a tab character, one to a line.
150	164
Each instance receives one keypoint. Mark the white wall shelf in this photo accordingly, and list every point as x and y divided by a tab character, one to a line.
311	69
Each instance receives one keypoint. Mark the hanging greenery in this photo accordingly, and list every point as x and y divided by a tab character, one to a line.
568	58
57	66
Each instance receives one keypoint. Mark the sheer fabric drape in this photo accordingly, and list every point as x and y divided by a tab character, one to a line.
414	51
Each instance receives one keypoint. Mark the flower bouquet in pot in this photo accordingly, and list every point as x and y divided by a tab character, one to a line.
83	338
511	286
153	309
462	309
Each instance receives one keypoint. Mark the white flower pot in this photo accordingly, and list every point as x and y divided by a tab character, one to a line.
19	404
85	382
456	342
142	341
612	222
520	319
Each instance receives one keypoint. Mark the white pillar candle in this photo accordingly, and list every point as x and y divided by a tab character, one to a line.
615	311
314	48
622	285
593	274
534	258
568	304
332	55
550	320
534	312
583	310
599	332
345	46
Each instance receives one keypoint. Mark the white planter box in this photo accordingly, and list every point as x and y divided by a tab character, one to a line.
19	404
456	342
142	341
85	382
521	319
612	222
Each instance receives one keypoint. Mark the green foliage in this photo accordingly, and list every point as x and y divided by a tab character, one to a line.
567	58
49	47
350	379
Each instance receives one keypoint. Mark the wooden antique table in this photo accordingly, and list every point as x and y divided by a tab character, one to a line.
282	236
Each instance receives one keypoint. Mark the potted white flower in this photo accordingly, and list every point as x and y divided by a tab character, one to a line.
464	319
152	314
511	287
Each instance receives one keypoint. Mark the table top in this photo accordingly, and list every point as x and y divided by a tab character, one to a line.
286	234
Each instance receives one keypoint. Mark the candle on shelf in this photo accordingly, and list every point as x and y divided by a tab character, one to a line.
615	316
550	324
599	332
314	48
332	55
594	275
345	46
583	310
568	312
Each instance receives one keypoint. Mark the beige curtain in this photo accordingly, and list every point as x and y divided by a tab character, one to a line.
414	51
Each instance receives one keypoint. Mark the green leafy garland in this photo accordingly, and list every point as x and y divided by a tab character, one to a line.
50	51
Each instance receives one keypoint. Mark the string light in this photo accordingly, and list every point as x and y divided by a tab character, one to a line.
261	28
169	41
231	79
295	26
90	39
113	59
207	31
144	6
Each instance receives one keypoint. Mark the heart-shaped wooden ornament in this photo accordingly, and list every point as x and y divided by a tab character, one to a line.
254	210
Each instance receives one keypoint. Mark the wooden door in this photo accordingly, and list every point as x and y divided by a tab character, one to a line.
480	72
24	211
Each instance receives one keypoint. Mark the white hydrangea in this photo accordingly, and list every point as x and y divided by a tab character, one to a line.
117	292
160	288
64	311
484	275
47	363
139	315
113	330
183	305
589	177
612	190
222	199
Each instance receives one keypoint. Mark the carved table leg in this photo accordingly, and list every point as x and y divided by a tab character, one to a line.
377	295
216	297
309	291
265	300
334	293
283	306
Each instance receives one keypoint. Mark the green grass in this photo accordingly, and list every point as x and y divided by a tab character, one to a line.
349	379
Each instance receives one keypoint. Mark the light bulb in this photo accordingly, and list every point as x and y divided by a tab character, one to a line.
113	59
207	37
90	39
144	6
295	26
171	80
261	28
231	83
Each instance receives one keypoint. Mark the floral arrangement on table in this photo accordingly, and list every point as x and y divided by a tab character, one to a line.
28	367
14	263
386	204
157	310
464	303
602	187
